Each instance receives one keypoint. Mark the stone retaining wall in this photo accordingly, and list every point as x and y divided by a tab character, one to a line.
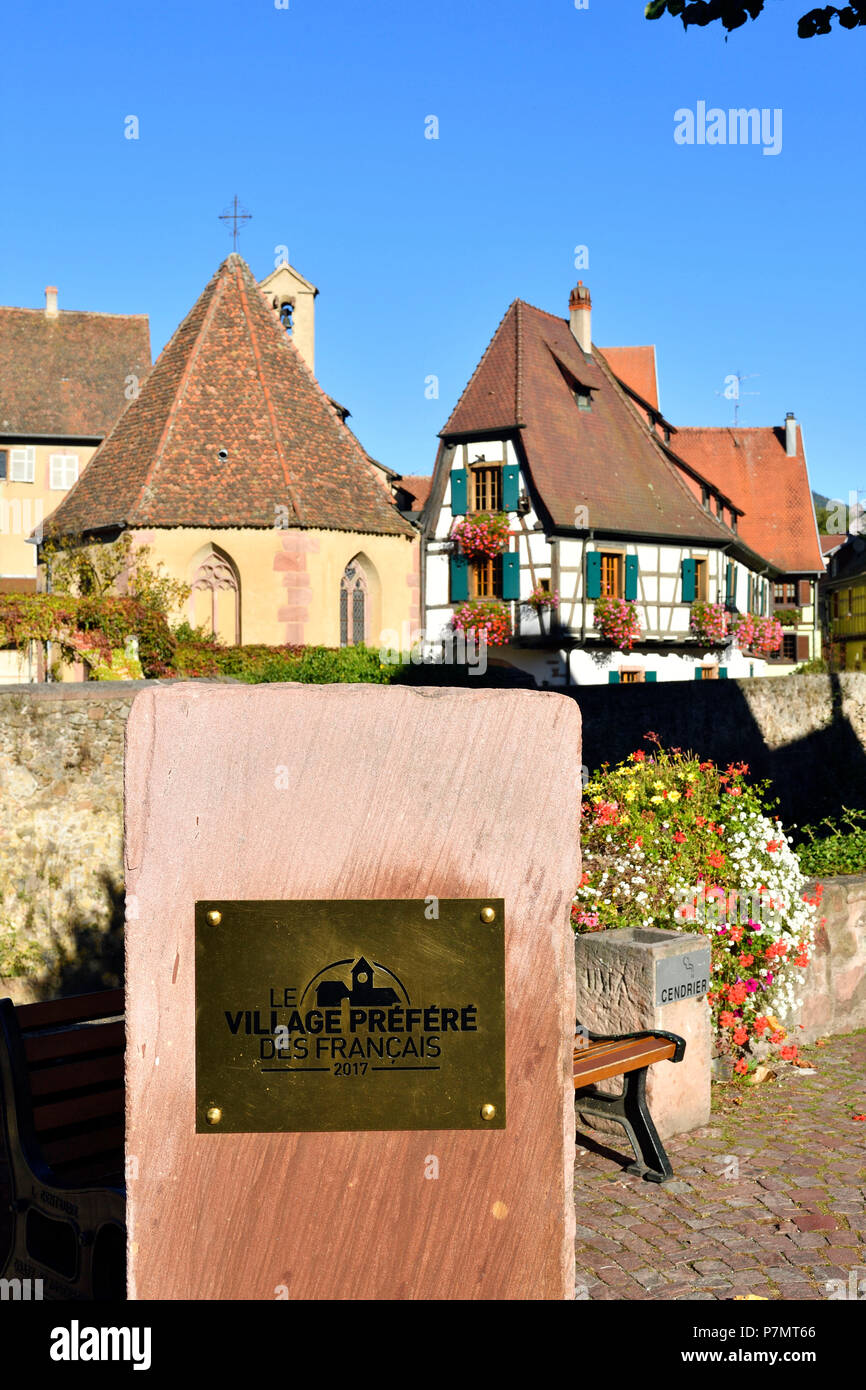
834	993
61	774
61	860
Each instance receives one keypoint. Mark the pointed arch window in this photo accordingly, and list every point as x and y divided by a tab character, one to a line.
216	597
354	602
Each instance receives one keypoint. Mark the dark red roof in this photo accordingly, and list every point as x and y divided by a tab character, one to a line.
752	467
67	375
605	459
636	367
417	487
230	379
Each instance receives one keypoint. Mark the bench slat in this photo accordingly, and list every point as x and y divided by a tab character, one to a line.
56	1114
96	1141
616	1061
71	1076
43	1047
79	1008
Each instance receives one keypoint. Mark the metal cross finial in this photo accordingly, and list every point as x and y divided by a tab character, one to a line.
237	215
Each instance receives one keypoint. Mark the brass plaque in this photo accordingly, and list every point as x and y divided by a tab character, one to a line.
350	1015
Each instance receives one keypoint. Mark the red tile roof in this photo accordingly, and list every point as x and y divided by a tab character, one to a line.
752	467
230	379
605	459
417	487
636	367
66	376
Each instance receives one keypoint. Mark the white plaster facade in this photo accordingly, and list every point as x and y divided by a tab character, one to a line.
666	651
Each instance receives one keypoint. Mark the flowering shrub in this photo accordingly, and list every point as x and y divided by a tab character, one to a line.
493	620
541	599
709	622
617	620
483	534
671	841
763	636
87	626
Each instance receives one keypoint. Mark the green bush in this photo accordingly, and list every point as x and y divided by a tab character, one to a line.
200	655
829	849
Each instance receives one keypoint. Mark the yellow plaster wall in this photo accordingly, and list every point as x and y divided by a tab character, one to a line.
290	579
25	506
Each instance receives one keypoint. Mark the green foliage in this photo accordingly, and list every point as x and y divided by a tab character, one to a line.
816	667
80	569
834	847
734	13
788	617
88	626
16	957
198	654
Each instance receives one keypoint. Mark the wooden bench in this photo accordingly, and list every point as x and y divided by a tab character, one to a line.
61	1144
597	1058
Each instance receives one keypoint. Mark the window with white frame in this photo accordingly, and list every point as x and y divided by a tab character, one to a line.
22	465
63	471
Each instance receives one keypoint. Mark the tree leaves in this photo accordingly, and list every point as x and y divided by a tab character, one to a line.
734	13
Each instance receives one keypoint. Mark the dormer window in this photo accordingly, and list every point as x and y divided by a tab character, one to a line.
583	397
705	497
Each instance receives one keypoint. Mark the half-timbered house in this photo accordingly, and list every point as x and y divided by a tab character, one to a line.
567	440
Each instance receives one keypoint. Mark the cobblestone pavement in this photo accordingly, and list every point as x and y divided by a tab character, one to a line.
769	1199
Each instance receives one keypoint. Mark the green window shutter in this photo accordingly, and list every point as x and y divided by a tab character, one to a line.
613	677
723	673
459	479
631	576
729	582
511	575
510	487
751	596
593	575
698	673
650	675
459	578
688	580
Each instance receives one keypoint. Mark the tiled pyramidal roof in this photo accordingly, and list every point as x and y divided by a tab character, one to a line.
229	379
752	466
605	459
66	375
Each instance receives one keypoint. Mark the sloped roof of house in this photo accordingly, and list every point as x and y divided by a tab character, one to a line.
605	459
772	488
418	488
229	379
67	375
636	366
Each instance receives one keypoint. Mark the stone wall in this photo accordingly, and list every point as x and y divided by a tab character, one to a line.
61	788
61	765
806	733
834	994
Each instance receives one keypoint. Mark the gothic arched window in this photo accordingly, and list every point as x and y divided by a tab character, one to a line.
353	605
216	597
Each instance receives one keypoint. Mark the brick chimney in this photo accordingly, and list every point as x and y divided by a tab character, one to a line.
51	301
790	435
580	316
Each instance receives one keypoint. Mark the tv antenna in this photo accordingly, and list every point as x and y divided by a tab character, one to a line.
733	391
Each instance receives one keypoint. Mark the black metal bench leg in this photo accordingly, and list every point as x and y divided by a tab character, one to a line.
630	1109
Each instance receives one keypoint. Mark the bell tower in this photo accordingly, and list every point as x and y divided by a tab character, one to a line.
293	300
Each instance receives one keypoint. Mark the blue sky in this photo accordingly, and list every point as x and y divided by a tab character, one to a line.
555	131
